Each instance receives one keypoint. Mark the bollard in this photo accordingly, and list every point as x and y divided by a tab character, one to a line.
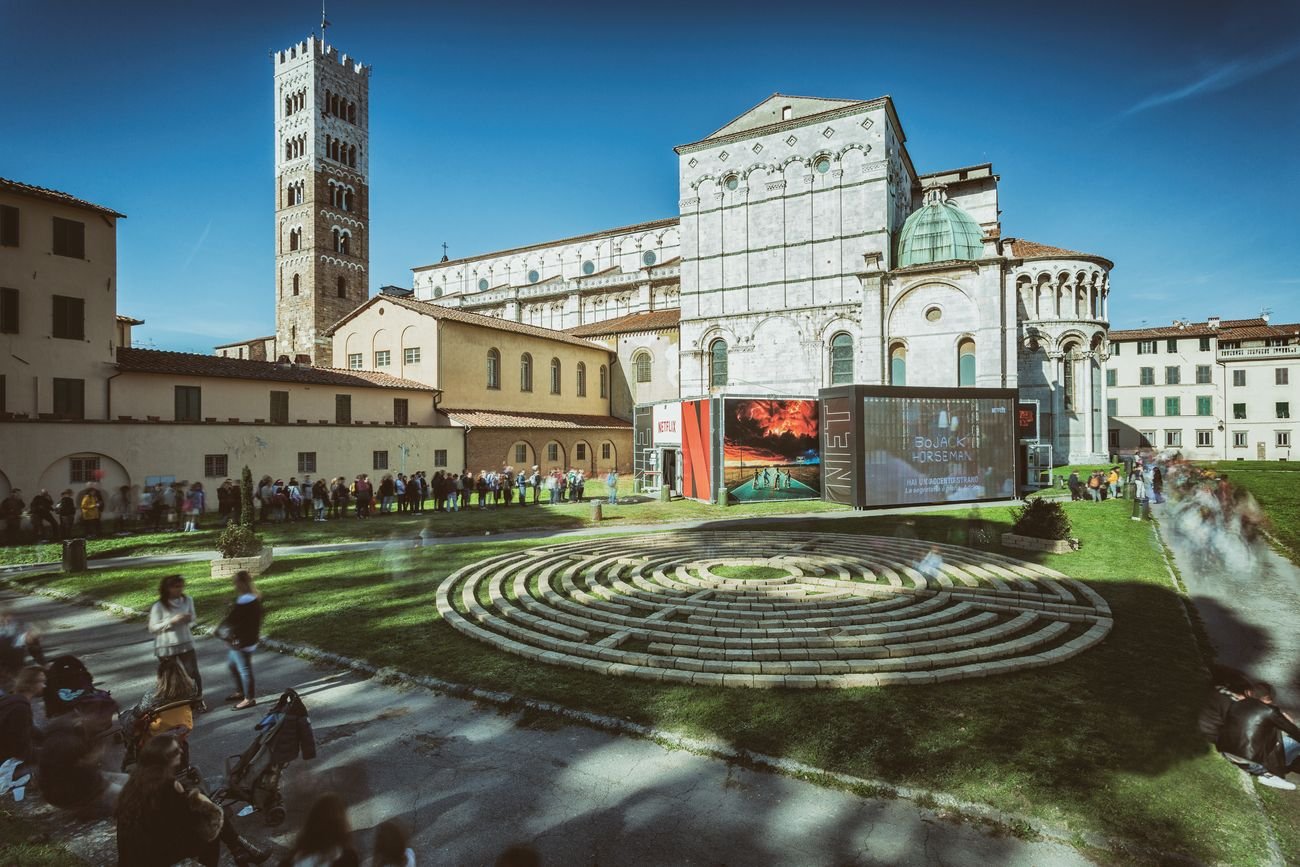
74	555
665	494
595	511
1146	510
1137	507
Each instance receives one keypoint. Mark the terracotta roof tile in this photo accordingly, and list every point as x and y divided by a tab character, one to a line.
560	421
189	364
651	320
455	314
1229	329
54	196
1025	249
129	320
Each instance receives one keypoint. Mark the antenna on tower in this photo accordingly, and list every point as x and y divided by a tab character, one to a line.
324	22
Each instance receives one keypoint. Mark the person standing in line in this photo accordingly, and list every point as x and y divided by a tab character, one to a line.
536	481
11	512
399	492
197	501
90	513
579	482
326	837
241	630
169	623
41	511
67	511
611	482
1112	481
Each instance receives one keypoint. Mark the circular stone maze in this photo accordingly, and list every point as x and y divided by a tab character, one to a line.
774	609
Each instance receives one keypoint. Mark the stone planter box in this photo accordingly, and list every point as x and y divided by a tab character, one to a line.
226	567
1029	543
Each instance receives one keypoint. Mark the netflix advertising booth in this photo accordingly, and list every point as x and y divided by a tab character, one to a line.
898	446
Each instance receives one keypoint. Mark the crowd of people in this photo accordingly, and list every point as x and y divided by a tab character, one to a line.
184	506
164	810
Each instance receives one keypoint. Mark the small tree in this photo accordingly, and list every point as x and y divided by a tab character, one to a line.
239	540
1042	519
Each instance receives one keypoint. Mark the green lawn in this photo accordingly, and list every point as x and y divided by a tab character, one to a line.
1105	742
22	845
635	509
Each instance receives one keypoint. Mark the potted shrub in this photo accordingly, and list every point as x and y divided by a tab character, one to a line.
1041	525
241	548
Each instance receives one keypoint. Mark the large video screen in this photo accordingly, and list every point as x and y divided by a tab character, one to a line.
770	449
938	449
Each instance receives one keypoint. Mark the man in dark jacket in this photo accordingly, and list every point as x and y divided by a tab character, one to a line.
11	512
1261	733
42	507
17	732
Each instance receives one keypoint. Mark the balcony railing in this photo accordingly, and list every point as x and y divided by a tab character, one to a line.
1261	352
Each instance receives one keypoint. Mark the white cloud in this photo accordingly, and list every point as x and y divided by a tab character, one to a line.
1228	75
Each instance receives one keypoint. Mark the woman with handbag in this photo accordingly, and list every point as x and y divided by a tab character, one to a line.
169	621
240	630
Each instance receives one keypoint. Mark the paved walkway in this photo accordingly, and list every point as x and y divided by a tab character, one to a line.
1249	601
470	780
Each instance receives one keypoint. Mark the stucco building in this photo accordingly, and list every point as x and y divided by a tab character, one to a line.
78	404
1222	389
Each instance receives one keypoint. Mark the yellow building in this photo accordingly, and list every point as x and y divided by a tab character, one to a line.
525	395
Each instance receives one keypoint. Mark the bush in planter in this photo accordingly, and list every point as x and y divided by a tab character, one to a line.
1042	519
239	540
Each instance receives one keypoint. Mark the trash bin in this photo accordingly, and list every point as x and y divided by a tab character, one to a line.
1146	510
74	555
665	493
1136	505
595	512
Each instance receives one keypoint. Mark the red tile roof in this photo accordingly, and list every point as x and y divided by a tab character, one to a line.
1229	329
556	421
455	314
129	320
54	196
1025	249
131	360
651	320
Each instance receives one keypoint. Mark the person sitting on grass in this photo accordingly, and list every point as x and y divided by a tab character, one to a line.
1256	730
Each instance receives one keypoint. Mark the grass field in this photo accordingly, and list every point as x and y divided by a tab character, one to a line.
22	845
1105	742
632	509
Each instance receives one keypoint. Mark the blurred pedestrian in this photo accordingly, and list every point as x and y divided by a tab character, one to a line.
326	837
169	622
392	847
241	630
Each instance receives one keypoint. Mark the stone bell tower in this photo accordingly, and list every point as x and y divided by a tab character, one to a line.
322	195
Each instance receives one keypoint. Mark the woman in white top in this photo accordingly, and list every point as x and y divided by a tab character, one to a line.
169	623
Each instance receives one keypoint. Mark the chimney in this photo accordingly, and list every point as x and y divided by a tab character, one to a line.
1214	322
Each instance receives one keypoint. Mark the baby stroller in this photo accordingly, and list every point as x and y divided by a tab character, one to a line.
69	688
253	776
135	732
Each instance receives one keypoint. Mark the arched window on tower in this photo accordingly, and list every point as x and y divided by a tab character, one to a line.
297	284
335	239
295	239
641	361
345	240
288	105
1069	360
555	376
897	364
352	156
343	287
966	362
718	363
288	149
841	359
352	112
525	372
493	369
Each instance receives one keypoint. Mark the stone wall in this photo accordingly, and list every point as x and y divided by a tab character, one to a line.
492	448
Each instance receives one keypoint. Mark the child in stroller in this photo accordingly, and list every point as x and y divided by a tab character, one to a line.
253	776
167	709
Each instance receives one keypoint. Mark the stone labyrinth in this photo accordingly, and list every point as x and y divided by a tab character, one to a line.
846	611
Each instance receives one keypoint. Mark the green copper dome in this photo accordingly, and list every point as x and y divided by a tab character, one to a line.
939	232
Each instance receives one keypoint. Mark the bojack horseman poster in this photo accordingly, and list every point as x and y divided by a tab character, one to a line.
771	449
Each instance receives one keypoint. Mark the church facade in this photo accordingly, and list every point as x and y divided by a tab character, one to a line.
808	251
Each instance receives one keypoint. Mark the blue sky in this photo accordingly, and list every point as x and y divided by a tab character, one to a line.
1165	136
